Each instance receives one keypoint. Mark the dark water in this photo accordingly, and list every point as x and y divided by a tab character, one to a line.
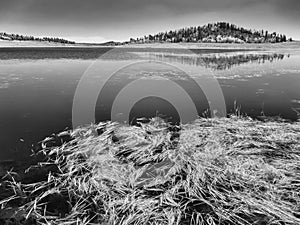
37	86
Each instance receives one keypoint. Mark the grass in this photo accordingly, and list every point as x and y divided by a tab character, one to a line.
213	171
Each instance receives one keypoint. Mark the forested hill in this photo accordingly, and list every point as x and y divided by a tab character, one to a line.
18	37
220	32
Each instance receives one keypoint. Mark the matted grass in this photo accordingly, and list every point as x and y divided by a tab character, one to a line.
213	171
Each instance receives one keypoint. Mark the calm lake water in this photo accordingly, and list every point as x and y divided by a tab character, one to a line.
37	86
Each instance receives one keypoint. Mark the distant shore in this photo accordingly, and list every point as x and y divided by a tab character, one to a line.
21	44
246	46
263	46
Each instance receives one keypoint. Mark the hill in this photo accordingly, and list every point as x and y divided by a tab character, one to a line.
220	32
18	37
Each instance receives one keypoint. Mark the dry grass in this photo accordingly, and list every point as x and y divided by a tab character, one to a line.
214	171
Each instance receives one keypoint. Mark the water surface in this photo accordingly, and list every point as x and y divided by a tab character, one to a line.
37	86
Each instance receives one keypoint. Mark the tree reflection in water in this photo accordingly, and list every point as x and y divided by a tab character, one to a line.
217	61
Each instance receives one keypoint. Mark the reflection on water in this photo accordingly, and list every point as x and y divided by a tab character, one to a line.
227	62
216	61
51	53
159	75
39	53
37	87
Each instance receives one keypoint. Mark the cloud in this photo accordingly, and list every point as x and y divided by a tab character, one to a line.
111	18
106	11
69	11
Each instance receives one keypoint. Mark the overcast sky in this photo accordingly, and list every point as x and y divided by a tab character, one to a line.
102	20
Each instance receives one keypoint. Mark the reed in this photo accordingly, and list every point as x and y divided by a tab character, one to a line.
214	171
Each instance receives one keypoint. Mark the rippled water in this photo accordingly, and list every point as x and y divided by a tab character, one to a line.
37	87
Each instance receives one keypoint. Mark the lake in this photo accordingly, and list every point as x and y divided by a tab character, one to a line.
38	85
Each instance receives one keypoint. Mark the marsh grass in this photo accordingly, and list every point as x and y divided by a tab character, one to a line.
213	171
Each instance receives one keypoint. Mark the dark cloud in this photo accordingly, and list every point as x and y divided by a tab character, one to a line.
78	10
289	8
83	15
75	9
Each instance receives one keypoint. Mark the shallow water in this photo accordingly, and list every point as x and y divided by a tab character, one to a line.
37	87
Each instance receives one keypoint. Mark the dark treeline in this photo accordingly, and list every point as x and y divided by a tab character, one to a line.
220	32
12	37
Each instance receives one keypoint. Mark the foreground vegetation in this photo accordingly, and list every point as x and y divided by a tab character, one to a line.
214	171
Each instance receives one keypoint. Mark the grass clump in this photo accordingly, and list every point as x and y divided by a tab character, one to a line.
213	171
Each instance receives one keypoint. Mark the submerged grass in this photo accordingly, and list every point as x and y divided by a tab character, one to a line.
214	171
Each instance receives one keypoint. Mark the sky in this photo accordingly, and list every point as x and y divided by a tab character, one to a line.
106	20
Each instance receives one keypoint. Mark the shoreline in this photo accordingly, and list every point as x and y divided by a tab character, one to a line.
244	46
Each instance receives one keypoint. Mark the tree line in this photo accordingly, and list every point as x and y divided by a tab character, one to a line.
18	37
220	32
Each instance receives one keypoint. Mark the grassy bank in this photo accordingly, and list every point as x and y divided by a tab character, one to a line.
287	46
214	171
